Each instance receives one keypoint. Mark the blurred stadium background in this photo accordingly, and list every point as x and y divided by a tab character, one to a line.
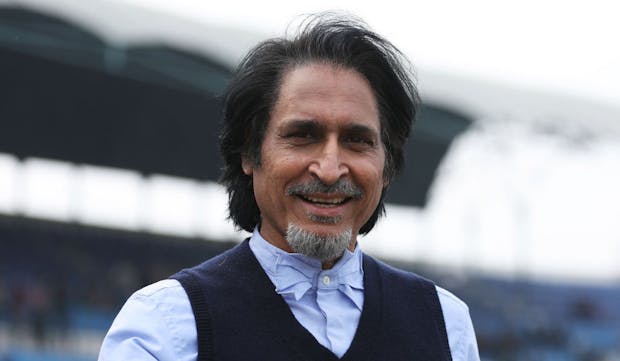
109	120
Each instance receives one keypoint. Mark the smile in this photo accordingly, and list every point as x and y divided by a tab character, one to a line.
325	202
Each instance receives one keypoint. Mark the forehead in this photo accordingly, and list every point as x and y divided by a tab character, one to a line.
325	93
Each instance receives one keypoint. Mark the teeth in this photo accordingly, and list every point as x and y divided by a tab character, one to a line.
326	201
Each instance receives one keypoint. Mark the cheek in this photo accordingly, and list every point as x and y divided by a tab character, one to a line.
376	180
374	173
277	172
373	198
372	180
285	166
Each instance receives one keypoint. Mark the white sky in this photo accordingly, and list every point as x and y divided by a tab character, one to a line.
565	46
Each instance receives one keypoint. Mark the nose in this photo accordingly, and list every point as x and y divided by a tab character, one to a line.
328	166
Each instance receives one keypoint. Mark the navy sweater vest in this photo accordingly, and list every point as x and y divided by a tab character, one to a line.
240	317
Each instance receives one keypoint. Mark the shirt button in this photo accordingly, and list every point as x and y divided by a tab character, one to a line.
326	280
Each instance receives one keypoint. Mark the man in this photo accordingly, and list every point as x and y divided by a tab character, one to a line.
314	129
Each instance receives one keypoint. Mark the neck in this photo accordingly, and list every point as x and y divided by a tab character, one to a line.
329	264
284	245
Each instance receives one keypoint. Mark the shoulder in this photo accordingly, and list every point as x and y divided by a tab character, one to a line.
459	327
451	304
156	315
452	307
158	290
166	300
392	274
222	263
165	295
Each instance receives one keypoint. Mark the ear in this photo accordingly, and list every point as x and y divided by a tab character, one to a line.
247	165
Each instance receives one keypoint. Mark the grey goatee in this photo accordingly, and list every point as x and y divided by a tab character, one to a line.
323	247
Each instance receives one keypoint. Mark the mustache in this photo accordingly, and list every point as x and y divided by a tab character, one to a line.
343	186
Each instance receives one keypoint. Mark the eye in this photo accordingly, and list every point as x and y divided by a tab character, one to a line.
360	140
301	130
301	134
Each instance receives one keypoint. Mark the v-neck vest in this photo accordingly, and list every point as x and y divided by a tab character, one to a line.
240	317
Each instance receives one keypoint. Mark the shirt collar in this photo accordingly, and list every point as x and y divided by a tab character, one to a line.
296	274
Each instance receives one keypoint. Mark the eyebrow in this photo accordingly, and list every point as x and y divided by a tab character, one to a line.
361	129
303	124
313	124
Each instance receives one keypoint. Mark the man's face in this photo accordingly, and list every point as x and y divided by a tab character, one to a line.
324	131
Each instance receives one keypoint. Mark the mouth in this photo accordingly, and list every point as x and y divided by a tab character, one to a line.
324	202
318	194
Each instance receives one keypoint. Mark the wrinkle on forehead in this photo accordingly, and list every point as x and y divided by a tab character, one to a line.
299	92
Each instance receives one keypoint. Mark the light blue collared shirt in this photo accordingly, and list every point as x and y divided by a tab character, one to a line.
157	322
325	302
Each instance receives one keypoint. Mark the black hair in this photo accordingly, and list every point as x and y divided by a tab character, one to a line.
324	38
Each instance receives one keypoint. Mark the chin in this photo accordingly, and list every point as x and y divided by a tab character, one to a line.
326	230
317	243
